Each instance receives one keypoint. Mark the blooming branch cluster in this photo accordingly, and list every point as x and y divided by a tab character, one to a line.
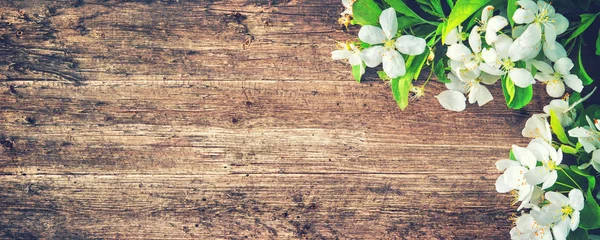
514	42
516	58
518	43
538	177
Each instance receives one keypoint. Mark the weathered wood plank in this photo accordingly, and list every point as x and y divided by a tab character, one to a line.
227	119
255	206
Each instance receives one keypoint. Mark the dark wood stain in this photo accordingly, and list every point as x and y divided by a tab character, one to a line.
228	119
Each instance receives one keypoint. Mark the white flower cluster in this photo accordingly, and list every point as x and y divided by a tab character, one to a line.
505	56
385	47
551	215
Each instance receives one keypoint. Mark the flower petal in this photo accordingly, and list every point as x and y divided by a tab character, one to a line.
532	35
475	39
521	77
354	59
519	52
490	56
480	94
560	22
453	36
537	127
552	176
528	5
557	198
389	22
550	35
486	13
491	70
573	82
524	156
452	100
576	200
564	65
574	220
489	79
502	45
537	175
523	16
371	35
543	77
506	163
393	64
341	54
556	53
501	187
542	66
494	25
456	84
555	88
547	8
458	52
372	56
561	229
411	45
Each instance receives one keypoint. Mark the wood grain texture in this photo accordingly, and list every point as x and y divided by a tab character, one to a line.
227	119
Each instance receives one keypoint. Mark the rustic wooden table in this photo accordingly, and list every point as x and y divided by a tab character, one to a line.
228	119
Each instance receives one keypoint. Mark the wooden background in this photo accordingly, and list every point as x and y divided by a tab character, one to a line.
228	119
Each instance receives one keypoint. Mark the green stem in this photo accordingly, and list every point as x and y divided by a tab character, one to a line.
564	184
430	74
571	179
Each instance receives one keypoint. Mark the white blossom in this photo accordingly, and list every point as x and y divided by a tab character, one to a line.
347	7
513	177
490	25
588	136
352	53
562	212
538	127
388	54
550	159
506	59
562	110
527	228
556	78
541	20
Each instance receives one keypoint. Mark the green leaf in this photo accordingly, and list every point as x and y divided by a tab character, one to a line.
405	22
590	213
516	97
401	85
568	149
417	64
598	44
383	76
512	8
586	20
401	7
566	178
508	87
511	155
578	234
462	10
558	129
356	72
432	7
440	72
366	12
400	89
450	3
580	70
591	181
